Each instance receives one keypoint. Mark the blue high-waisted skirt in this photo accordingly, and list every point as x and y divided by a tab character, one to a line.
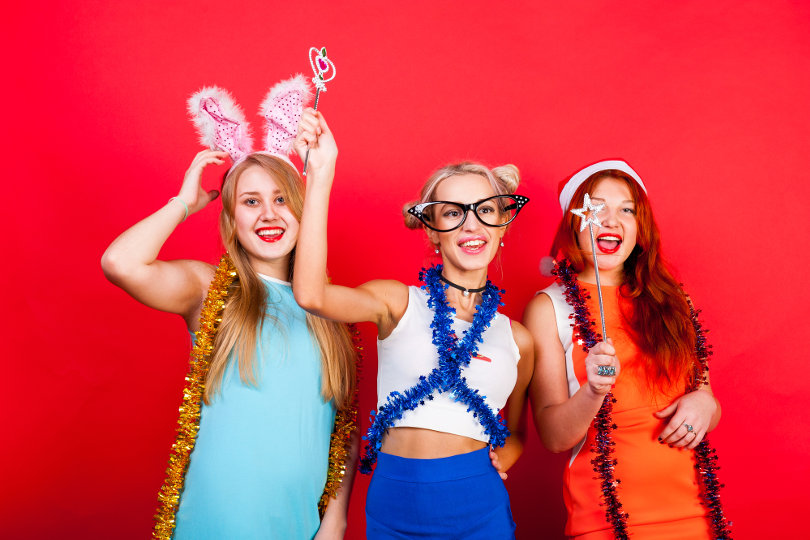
455	497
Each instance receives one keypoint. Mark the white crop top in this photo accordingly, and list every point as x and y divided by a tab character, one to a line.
409	353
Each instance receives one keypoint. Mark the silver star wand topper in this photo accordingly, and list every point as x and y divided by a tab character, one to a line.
324	71
588	218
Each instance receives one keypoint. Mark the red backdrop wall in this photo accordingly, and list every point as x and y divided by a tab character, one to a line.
708	100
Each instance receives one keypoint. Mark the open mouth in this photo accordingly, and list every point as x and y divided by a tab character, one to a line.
270	234
609	243
473	245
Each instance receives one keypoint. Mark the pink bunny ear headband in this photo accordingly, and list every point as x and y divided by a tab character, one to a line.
222	125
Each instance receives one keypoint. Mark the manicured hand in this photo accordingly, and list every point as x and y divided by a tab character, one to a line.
693	410
602	354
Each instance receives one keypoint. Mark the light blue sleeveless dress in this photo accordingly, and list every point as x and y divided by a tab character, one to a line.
260	462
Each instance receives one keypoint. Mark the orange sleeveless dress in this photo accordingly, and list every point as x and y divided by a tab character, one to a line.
659	489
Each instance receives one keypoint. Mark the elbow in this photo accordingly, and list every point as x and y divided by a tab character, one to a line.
552	441
554	447
113	267
307	297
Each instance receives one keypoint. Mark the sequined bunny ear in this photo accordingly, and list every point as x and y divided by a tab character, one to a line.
282	109
220	122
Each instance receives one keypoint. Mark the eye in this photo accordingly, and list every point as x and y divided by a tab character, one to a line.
251	201
631	211
488	208
451	213
280	200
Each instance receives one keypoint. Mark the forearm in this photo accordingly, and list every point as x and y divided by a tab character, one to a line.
309	281
715	419
335	518
139	246
562	426
509	453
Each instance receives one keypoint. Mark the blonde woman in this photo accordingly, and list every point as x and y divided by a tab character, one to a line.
276	374
447	360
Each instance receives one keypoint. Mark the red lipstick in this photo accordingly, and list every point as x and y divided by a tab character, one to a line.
472	245
270	234
609	243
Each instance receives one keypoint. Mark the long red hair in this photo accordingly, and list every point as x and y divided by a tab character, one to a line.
660	321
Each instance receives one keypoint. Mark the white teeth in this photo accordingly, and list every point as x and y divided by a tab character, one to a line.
610	238
472	243
273	232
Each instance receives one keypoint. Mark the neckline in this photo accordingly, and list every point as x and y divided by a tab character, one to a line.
587	284
454	318
274	280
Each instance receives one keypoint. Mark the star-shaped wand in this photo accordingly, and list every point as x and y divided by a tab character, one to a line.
588	218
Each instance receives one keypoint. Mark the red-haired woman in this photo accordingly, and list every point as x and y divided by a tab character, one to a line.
633	465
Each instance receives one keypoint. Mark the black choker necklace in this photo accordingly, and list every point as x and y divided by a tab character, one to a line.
464	291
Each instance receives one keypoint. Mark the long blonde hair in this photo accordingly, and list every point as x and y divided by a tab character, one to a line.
245	309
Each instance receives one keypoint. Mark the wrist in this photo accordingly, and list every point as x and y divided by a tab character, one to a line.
180	202
593	393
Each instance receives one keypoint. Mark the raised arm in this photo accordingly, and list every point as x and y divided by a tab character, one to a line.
130	262
561	421
380	302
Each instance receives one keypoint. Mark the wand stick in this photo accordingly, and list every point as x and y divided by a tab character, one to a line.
306	157
598	284
587	215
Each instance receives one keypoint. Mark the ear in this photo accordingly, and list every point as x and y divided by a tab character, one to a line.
432	235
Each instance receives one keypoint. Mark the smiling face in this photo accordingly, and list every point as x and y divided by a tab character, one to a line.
266	227
616	238
473	245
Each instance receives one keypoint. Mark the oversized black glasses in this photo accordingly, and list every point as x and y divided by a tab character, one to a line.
444	216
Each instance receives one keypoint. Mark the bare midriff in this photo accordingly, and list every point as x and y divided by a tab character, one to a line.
419	443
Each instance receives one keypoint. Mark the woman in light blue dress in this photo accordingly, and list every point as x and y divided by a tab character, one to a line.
274	375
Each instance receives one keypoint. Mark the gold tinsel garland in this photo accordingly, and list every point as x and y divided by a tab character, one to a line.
189	420
340	446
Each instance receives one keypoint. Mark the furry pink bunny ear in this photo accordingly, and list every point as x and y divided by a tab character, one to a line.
282	110
220	122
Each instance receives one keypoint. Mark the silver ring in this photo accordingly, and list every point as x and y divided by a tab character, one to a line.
689	427
606	371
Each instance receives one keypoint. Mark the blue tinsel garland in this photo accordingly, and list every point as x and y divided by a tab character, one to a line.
454	354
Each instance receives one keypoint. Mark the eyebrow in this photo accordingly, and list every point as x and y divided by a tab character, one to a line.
463	204
255	193
601	199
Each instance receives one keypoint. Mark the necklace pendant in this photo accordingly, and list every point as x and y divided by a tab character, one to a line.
465	292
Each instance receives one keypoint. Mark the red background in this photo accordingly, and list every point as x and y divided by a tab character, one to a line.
708	100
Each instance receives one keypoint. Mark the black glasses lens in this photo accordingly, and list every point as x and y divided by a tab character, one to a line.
444	216
498	210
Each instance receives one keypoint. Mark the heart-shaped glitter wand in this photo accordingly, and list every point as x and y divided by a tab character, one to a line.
324	71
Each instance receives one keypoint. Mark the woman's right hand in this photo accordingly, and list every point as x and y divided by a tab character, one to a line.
192	192
315	139
601	354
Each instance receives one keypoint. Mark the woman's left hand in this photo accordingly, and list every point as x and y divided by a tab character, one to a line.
493	457
315	137
691	415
